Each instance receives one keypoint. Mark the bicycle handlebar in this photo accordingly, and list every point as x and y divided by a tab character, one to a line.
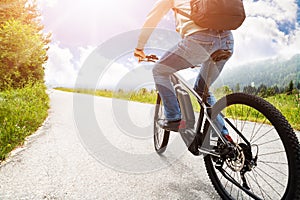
148	58
154	58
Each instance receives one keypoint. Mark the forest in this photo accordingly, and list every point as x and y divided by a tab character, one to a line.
274	75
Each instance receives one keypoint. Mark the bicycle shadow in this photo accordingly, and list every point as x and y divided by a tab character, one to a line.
187	184
186	178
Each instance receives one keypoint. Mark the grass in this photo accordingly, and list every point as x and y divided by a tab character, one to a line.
289	105
22	111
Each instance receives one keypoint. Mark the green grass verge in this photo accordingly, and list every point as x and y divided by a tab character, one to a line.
22	112
289	105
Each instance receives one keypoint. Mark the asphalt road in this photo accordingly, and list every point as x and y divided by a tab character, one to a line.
56	163
98	148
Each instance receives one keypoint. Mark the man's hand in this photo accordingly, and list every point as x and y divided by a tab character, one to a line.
139	54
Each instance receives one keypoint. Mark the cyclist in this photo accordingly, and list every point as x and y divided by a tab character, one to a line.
195	48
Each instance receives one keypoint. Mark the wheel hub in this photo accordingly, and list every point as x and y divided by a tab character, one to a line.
236	159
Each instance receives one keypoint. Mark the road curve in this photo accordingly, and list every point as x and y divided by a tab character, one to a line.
57	163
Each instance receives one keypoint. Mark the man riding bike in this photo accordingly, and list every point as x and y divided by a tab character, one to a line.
195	48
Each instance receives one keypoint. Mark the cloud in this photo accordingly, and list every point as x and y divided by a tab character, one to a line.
84	53
59	69
112	76
277	10
292	47
63	66
270	30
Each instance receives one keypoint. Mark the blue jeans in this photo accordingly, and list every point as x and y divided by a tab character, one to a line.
191	50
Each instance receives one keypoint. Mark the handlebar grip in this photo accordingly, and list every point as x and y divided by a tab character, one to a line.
152	57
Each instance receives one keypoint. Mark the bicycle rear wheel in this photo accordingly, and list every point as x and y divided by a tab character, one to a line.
268	166
161	136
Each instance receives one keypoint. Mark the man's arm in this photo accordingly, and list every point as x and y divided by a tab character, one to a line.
160	9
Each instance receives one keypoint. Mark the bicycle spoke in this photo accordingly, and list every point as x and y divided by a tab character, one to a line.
246	119
274	168
263	135
261	125
226	167
268	176
250	184
268	142
255	122
261	190
231	188
273	162
265	154
258	185
239	181
267	181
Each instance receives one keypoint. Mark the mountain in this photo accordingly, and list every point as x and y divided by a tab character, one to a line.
268	72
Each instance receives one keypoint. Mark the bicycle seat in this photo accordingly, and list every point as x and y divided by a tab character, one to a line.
221	54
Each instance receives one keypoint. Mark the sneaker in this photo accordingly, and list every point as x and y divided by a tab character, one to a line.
228	138
169	125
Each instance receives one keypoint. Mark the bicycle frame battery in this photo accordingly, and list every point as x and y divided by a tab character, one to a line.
186	107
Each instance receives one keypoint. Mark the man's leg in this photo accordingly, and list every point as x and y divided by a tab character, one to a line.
208	74
170	63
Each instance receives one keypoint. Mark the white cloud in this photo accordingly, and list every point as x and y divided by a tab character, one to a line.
59	69
292	47
84	53
276	9
112	76
63	66
260	36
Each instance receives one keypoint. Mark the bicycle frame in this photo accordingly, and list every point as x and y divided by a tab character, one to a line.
204	112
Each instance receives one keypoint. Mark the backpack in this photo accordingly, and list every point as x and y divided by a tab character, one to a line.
216	14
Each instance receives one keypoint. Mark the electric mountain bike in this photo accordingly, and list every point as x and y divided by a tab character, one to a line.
263	159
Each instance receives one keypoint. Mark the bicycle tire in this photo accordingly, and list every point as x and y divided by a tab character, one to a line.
161	136
272	168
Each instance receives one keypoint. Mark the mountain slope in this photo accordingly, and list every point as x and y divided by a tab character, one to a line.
269	72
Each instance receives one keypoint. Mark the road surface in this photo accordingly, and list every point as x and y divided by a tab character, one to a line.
101	149
55	163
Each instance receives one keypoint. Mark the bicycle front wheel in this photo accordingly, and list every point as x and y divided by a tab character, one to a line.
161	136
267	160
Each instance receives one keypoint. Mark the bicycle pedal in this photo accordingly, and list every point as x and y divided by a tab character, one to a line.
169	125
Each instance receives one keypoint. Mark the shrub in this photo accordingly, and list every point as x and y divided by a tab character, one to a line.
22	111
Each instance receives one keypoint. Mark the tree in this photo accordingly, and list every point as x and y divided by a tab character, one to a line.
290	88
276	89
262	90
23	47
250	90
237	87
23	10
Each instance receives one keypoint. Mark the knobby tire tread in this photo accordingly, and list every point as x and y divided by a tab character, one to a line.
159	148
285	131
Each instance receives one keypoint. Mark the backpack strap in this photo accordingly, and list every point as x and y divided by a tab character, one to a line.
176	10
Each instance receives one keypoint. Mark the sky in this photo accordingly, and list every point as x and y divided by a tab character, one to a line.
78	27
